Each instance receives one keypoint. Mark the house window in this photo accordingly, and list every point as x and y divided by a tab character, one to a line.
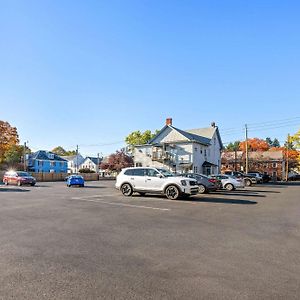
274	165
138	164
205	152
40	163
52	163
196	149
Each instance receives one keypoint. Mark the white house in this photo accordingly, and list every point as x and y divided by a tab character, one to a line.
73	162
91	163
194	150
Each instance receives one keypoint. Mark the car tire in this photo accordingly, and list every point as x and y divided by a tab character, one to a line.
6	182
32	184
229	187
82	185
68	185
248	182
202	189
142	194
172	192
127	189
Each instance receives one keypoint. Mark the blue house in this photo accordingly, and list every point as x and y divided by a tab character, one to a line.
46	161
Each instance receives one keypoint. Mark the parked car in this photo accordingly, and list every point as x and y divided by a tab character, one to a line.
155	180
19	178
260	177
248	179
294	177
217	182
205	184
230	183
75	180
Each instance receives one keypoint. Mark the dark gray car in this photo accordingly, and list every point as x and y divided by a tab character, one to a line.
205	186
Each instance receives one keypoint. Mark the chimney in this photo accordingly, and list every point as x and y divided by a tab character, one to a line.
169	121
213	124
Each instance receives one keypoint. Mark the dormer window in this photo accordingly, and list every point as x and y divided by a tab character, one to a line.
51	155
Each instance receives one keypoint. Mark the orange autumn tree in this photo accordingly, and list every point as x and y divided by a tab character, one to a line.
255	144
293	154
8	138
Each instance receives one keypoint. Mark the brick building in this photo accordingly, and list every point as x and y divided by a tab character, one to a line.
270	162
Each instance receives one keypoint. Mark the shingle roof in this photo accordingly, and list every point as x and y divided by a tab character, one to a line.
193	137
94	159
256	155
207	132
44	155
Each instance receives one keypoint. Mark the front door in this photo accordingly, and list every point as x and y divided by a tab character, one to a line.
153	182
138	179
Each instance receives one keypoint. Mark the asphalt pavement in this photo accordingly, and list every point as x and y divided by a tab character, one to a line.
93	243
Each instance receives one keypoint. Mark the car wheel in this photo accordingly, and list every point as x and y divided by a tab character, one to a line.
202	189
229	187
172	192
6	182
19	183
32	184
68	185
142	194
248	182
82	185
126	189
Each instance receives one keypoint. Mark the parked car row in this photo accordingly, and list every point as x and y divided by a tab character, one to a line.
24	178
157	180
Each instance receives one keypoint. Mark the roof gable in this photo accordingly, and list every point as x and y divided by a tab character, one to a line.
44	155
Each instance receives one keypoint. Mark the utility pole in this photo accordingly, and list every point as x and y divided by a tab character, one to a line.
24	157
246	144
98	162
235	159
76	159
287	158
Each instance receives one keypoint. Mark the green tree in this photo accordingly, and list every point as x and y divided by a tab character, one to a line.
233	146
295	139
8	138
13	154
59	150
275	143
140	138
272	143
269	141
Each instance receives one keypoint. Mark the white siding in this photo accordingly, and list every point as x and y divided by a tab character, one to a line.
170	136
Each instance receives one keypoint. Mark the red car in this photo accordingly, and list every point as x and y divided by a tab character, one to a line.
19	178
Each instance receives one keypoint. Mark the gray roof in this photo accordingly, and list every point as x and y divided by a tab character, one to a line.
71	157
193	137
44	155
94	159
200	135
207	132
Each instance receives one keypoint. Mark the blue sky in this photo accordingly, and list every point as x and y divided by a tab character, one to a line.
90	72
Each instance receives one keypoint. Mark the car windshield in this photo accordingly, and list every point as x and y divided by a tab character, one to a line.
165	173
23	174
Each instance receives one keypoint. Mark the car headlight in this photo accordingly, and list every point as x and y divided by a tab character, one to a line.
183	182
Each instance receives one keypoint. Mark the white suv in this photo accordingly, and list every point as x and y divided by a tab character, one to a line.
155	180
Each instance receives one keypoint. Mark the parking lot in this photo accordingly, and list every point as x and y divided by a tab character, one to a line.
93	243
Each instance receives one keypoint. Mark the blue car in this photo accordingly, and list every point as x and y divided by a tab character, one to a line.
75	180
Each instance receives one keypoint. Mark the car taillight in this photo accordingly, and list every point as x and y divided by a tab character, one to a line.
212	180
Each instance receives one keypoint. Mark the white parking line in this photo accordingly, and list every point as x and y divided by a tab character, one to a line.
120	204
